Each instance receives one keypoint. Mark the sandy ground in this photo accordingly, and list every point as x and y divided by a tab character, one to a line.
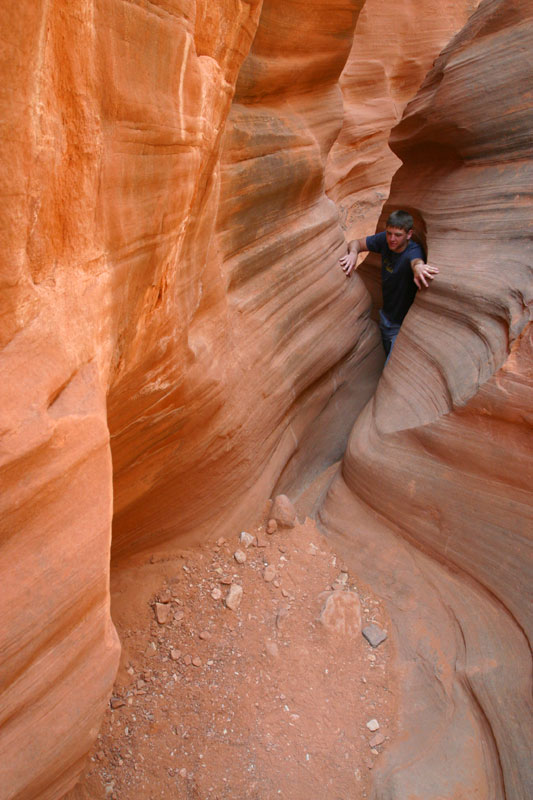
265	701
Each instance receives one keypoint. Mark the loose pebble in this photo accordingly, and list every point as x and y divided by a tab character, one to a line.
162	612
234	596
246	538
376	740
374	634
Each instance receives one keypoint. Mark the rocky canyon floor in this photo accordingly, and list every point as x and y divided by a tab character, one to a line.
274	698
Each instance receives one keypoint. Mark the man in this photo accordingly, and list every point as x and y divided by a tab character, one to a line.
403	270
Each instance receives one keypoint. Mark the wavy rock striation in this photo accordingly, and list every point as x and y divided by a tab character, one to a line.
390	56
133	206
435	492
172	298
244	314
112	118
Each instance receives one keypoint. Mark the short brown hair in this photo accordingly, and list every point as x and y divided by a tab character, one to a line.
400	219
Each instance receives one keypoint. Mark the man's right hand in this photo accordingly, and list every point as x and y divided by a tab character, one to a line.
348	263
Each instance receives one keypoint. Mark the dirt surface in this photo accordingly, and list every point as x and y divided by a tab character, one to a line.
265	701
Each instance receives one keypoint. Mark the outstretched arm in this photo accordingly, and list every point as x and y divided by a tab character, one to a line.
349	261
422	273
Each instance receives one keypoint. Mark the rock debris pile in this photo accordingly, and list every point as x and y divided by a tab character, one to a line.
251	678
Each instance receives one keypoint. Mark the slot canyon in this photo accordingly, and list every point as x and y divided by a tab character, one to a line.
180	346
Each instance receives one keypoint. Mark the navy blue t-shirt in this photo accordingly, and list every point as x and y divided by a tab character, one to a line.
397	282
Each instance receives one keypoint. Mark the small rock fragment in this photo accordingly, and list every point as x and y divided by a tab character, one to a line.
151	650
234	597
221	541
162	612
239	556
179	615
187	660
197	661
175	655
183	773
342	579
372	725
269	573
283	512
117	702
260	542
204	635
227	580
272	526
376	740
374	635
216	594
246	539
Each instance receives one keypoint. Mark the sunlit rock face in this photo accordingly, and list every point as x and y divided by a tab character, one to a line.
141	331
393	48
250	327
112	117
178	339
435	492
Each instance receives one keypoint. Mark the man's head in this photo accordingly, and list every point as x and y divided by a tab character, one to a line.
399	230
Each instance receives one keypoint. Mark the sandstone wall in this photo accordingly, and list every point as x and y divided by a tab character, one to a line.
435	492
392	52
254	302
112	117
171	296
124	324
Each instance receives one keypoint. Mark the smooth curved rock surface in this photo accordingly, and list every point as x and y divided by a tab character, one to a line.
171	295
128	242
112	116
389	59
435	493
251	315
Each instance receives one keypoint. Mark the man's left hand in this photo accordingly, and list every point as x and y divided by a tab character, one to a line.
423	274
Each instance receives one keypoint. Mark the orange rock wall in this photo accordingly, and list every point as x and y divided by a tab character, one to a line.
254	305
435	493
172	313
124	328
112	118
391	54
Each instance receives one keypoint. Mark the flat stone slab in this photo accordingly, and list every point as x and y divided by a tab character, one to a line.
374	634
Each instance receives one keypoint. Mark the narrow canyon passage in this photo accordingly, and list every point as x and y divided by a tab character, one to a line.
278	695
179	345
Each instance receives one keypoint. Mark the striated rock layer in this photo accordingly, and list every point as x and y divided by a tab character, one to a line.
242	349
171	296
435	492
112	117
390	56
141	317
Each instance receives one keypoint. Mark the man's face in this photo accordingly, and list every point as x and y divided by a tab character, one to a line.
397	239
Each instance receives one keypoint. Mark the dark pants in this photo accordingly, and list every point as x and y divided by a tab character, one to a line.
389	332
